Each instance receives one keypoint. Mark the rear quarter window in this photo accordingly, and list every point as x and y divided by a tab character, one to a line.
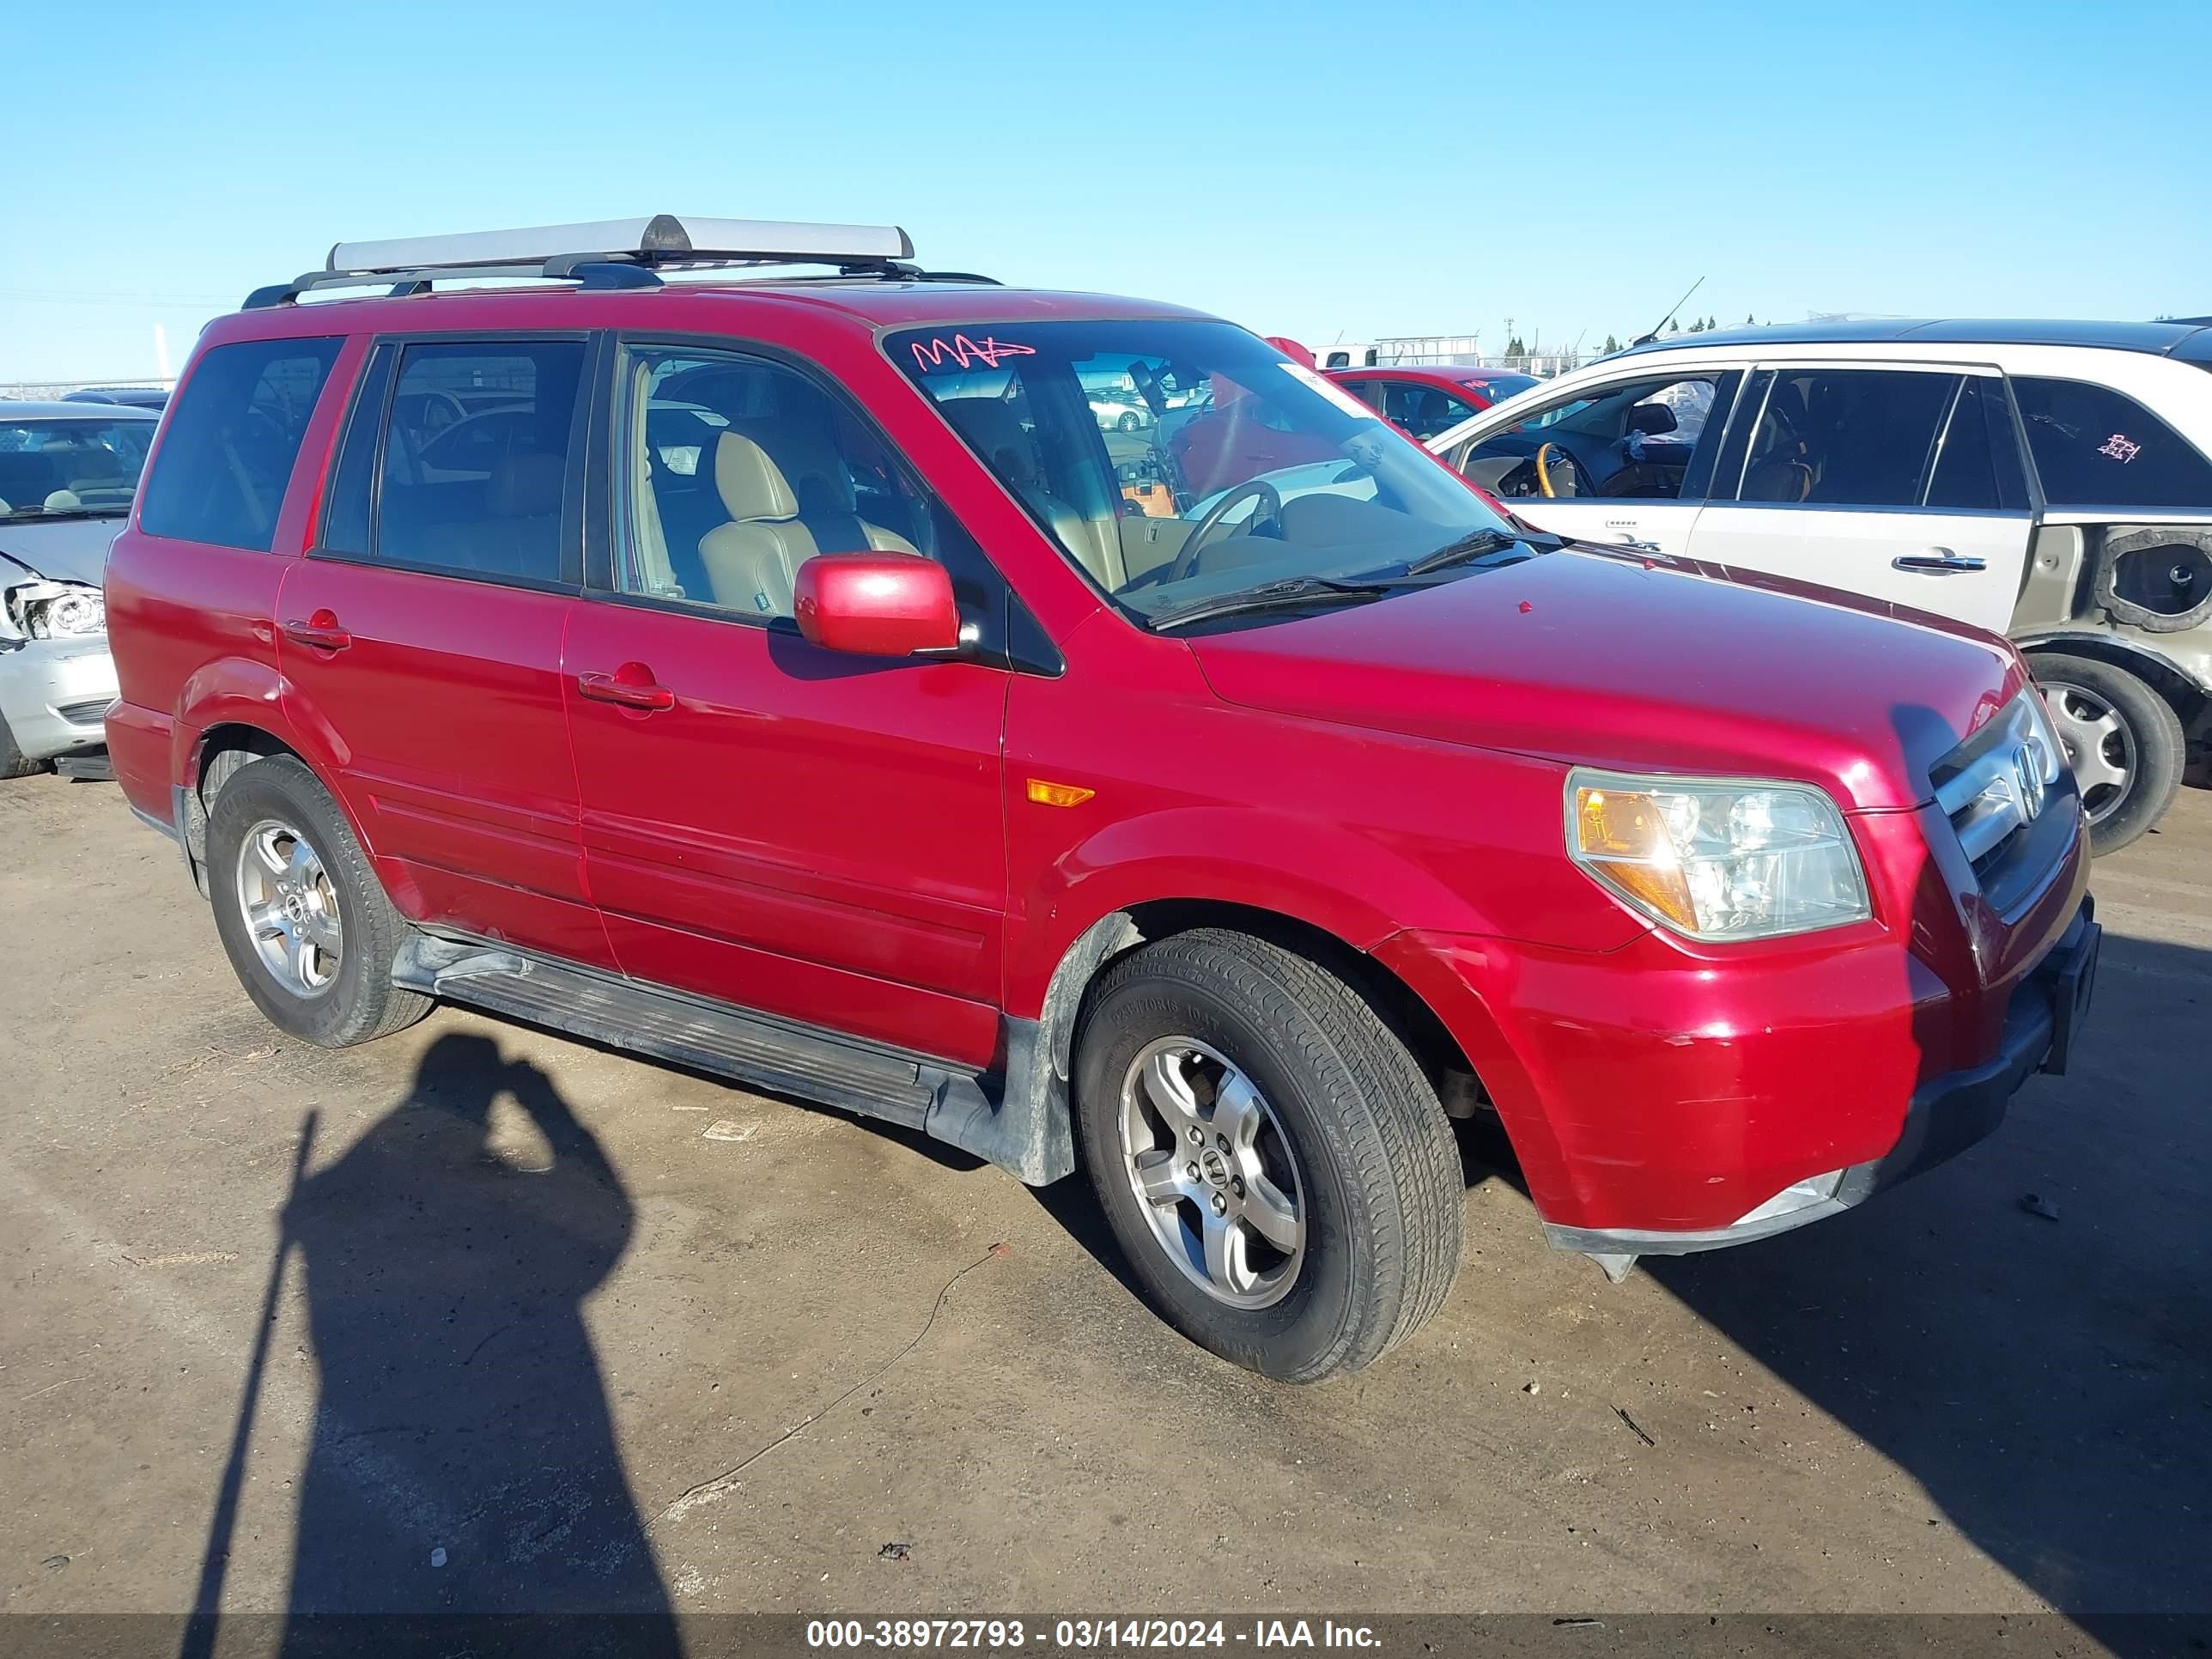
234	433
2097	448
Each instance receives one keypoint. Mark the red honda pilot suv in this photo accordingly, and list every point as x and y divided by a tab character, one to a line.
796	679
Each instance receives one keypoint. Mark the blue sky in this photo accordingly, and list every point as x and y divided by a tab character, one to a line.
1325	171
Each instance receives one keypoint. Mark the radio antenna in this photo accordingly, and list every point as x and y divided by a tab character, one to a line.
1672	311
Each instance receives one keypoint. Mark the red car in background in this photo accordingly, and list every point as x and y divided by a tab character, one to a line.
1423	402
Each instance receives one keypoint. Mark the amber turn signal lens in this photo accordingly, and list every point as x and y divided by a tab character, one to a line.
1618	823
1621	835
1058	794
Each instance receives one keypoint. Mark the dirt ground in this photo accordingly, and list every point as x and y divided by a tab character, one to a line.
558	1328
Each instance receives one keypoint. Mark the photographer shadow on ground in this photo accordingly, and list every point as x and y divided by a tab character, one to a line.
463	1460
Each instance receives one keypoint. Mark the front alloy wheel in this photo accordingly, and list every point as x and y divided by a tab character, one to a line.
1209	1163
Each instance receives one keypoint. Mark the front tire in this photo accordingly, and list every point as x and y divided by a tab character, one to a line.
14	763
1271	1158
306	925
2123	741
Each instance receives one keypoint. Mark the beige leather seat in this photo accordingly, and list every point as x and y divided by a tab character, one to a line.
518	532
753	561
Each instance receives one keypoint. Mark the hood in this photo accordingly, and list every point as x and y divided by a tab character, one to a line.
64	550
1649	665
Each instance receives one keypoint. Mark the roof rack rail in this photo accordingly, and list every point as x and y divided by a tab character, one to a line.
610	253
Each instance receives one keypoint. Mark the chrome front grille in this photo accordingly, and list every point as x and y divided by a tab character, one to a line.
1997	784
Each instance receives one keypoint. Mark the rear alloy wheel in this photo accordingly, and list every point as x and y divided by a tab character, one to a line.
2123	741
304	920
1272	1158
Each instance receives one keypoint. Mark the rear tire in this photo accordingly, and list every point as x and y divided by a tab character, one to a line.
1272	1160
2123	741
305	922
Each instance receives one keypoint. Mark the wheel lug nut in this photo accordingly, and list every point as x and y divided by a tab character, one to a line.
1222	1141
1191	1169
1220	1204
1237	1186
1197	1135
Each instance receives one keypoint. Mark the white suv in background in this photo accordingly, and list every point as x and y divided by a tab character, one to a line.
2051	481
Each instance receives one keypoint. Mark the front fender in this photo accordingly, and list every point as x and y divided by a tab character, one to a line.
1348	886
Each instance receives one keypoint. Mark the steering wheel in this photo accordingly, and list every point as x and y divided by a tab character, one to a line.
1269	511
1570	474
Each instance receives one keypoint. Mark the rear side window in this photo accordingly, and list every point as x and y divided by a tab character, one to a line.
1846	437
219	475
474	461
2095	447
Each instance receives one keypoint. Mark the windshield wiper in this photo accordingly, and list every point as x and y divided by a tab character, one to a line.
1288	594
34	515
1477	544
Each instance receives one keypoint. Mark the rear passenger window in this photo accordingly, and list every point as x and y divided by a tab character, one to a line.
1978	456
2095	447
1846	437
219	475
475	459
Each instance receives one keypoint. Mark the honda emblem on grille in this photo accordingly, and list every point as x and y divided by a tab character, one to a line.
2027	769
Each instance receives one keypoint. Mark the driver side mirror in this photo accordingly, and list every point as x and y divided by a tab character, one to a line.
877	605
1652	420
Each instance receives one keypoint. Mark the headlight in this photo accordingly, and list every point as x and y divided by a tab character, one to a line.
47	610
1717	859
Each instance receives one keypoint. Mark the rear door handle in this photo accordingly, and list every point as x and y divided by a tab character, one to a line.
630	686
1936	561
320	630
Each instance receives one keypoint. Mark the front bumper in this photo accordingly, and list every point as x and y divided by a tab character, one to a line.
1664	1097
55	693
1947	1114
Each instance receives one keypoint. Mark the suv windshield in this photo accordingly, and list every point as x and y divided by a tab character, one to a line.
1176	460
53	466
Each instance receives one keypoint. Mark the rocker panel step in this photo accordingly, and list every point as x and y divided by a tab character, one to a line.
671	1025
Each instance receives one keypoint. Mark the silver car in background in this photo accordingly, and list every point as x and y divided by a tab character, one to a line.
68	473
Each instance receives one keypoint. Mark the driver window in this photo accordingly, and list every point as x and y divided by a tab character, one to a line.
737	470
1641	439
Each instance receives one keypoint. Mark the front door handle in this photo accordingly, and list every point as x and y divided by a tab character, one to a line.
630	686
320	630
1936	561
